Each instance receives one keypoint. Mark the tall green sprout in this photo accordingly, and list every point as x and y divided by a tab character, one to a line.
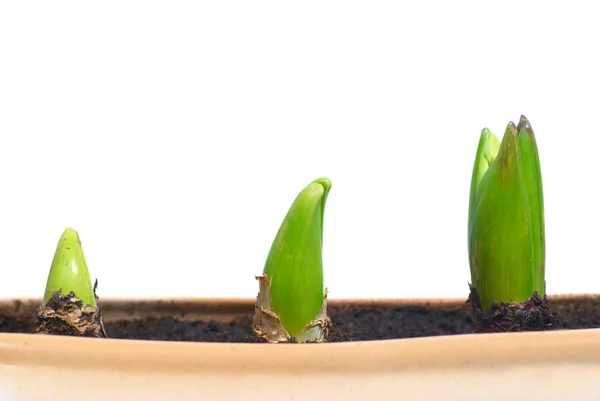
292	302
506	218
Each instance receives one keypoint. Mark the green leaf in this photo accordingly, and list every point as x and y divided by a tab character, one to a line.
295	264
69	270
532	179
486	153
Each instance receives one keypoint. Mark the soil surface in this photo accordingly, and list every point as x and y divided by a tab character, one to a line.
350	323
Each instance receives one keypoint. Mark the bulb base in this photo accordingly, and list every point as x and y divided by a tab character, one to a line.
267	325
66	315
533	314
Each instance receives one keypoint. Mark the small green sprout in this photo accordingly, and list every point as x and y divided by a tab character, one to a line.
506	218
69	271
69	305
292	302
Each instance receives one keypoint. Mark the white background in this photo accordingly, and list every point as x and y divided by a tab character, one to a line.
174	136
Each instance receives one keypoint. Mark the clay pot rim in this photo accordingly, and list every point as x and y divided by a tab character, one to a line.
359	356
531	348
384	366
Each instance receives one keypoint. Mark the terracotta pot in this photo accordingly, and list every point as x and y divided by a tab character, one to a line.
560	365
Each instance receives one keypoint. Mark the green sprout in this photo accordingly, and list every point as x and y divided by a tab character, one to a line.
506	218
69	305
292	302
69	271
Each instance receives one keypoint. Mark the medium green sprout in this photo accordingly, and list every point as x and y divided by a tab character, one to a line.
292	302
506	218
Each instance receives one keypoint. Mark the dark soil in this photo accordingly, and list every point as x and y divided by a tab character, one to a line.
350	322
